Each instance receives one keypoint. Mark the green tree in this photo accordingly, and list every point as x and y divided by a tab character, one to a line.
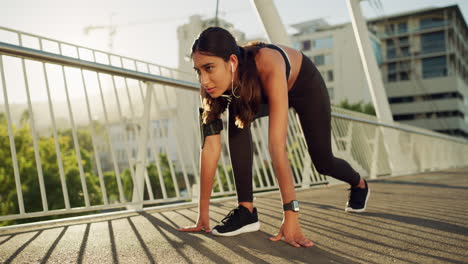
358	107
153	175
28	172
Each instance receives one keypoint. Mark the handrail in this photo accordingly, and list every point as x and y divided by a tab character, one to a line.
22	33
406	129
28	53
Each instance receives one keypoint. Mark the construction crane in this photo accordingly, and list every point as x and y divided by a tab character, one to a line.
111	27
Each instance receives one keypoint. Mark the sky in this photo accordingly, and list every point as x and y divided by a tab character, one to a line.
147	28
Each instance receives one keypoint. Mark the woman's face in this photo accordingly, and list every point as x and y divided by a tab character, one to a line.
214	74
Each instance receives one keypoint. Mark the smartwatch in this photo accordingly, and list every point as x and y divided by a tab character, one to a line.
293	206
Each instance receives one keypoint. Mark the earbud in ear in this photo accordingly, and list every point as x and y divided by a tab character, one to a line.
232	67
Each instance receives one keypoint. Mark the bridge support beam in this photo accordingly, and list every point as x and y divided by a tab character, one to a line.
369	64
271	21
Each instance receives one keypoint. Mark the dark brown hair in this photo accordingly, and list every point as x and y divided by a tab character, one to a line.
216	41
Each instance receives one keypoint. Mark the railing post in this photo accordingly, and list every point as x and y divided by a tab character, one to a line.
306	172
138	186
375	154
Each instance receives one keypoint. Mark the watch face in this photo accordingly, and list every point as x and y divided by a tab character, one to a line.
295	206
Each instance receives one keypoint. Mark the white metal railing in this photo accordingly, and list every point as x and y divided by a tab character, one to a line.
79	133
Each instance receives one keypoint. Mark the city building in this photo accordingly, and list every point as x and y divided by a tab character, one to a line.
124	139
334	51
425	67
422	55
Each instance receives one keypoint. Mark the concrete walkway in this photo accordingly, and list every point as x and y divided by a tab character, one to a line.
410	219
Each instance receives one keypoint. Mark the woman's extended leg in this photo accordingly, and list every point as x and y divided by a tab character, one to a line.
310	99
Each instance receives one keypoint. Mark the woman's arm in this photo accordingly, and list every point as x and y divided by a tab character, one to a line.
209	161
271	67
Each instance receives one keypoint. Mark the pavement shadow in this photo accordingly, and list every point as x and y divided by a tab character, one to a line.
194	241
20	249
423	184
424	222
244	244
54	245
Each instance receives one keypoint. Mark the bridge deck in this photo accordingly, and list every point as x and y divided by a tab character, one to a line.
411	219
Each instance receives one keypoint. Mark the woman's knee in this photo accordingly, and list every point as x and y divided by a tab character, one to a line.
324	166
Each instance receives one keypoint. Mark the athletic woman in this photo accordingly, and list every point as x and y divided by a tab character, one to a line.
251	82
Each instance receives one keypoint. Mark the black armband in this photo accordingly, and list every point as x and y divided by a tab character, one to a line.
213	128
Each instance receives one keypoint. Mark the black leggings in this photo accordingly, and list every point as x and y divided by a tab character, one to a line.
309	97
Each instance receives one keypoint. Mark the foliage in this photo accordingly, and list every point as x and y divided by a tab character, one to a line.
68	169
358	107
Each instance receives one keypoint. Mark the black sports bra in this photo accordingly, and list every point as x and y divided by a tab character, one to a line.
285	57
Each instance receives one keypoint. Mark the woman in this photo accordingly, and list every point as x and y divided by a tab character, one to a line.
251	82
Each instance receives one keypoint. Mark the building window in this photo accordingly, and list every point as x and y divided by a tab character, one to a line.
306	45
403	41
405	51
434	67
330	75
404	117
390	43
325	43
391	53
402	27
431	22
319	60
404	76
392	77
433	42
405	99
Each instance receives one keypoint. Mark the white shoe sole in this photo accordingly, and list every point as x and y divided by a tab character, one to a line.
245	229
351	210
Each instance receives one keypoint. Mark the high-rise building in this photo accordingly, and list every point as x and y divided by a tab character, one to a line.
334	51
422	55
425	67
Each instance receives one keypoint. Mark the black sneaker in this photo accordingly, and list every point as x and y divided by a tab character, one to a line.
239	220
357	199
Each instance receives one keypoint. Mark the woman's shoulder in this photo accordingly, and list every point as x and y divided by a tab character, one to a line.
268	59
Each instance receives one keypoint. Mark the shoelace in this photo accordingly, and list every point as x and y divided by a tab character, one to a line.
228	217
